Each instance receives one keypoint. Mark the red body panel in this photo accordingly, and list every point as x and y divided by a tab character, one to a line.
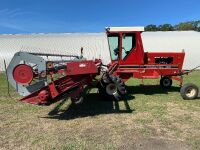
178	58
83	67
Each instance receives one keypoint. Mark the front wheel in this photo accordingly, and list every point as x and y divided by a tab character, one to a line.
113	88
189	91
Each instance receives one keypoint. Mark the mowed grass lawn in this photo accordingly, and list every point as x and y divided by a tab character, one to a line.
148	118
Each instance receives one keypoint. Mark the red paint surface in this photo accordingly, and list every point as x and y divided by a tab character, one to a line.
23	74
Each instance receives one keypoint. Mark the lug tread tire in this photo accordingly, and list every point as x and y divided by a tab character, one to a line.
121	90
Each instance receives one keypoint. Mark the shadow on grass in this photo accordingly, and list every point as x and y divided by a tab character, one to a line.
150	89
92	105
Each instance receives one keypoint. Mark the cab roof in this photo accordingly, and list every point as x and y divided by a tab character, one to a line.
115	29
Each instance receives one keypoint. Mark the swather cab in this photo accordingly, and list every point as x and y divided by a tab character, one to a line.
126	49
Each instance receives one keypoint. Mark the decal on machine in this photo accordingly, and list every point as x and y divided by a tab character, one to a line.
82	65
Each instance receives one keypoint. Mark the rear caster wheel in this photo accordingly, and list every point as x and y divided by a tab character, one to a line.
189	91
166	82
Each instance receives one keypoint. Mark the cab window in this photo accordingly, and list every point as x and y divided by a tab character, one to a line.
113	41
128	44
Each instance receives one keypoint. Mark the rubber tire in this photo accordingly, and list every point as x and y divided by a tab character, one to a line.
121	90
184	89
163	79
105	79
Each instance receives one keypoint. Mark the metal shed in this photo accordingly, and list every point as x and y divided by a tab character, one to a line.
95	44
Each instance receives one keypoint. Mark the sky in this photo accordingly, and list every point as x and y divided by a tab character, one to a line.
58	16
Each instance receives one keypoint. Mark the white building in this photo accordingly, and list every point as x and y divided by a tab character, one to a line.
96	46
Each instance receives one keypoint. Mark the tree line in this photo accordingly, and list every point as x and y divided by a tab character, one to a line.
183	26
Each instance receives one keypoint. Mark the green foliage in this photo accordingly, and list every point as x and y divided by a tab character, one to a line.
166	27
183	26
151	27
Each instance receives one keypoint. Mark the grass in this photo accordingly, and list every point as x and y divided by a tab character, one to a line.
148	117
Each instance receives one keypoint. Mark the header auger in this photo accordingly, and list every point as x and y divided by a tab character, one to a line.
42	78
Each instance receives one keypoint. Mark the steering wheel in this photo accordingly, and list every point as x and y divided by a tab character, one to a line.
116	51
127	52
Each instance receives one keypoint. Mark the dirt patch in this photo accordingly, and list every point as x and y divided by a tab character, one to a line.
158	144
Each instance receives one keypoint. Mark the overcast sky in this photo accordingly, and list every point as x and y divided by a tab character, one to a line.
45	16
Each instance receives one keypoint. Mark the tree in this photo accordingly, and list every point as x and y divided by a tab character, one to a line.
198	29
151	27
166	27
185	26
197	25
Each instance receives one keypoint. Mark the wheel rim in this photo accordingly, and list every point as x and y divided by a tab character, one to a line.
190	92
111	89
166	82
